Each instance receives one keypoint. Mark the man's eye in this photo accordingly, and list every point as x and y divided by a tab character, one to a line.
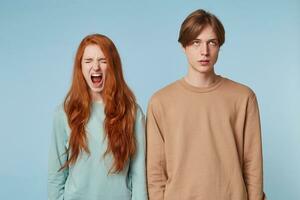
88	62
196	43
212	43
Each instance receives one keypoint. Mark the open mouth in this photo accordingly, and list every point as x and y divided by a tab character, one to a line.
97	79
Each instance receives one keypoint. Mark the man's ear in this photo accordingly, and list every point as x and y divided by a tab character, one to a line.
183	48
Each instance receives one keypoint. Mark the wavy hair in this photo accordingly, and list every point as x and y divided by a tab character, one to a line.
120	107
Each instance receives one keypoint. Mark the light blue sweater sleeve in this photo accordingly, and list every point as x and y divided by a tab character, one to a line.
57	157
137	164
92	182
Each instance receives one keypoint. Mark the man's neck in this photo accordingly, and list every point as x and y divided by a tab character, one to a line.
201	80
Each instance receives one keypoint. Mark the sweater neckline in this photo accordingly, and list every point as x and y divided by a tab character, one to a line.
192	88
98	104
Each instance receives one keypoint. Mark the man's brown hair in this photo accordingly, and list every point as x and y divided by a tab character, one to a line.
196	22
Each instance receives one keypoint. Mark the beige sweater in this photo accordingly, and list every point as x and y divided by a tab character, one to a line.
204	143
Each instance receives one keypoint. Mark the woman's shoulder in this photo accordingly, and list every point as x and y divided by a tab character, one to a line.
60	115
139	112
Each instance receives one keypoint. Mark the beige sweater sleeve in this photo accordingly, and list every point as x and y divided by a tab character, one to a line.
252	169
156	164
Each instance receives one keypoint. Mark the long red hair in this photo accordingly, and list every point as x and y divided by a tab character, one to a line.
120	107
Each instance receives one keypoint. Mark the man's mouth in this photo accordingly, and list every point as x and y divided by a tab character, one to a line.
204	62
97	79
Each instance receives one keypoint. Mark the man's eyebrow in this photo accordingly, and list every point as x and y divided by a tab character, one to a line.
211	39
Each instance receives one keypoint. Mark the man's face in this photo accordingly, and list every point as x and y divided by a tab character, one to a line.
94	68
202	53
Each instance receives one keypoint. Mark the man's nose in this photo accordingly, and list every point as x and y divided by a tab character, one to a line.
204	49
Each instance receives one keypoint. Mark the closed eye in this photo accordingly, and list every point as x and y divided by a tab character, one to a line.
102	60
88	60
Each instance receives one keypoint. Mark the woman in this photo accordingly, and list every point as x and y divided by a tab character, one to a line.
98	146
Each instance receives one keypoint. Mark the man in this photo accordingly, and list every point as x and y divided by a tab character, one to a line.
203	131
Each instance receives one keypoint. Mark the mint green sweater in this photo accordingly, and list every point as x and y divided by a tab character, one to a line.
88	178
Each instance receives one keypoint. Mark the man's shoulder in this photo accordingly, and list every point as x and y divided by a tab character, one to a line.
238	88
166	92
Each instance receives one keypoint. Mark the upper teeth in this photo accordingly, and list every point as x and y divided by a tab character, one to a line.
96	74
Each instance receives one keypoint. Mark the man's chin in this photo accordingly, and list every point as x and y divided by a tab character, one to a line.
203	69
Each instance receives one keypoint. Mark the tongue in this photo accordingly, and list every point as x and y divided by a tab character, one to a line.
96	79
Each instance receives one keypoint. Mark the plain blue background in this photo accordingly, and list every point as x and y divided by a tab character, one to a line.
38	41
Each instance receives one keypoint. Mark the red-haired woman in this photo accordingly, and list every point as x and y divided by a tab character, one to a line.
97	150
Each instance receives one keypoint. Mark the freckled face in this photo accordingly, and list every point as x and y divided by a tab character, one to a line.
94	68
